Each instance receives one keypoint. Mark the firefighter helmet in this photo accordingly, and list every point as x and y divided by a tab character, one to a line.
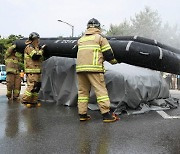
33	36
93	23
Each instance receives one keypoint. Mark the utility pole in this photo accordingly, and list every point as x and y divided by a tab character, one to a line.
72	27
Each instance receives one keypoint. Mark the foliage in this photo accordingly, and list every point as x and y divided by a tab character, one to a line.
147	23
5	43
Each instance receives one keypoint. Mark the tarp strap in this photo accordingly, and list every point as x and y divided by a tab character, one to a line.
56	41
155	41
135	37
160	53
128	45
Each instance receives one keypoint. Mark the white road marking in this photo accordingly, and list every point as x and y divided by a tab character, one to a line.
166	116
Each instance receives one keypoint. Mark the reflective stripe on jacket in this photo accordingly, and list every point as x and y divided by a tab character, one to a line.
13	61
32	65
93	49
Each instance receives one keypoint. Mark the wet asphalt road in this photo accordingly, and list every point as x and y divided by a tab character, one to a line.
56	129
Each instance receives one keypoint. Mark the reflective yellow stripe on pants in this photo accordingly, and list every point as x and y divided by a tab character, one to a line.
11	70
102	99
83	99
16	91
28	93
9	92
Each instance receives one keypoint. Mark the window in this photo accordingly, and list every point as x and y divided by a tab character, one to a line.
3	68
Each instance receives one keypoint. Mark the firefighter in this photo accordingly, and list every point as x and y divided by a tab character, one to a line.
93	49
33	58
13	61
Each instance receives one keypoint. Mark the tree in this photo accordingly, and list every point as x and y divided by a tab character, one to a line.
122	29
170	35
147	23
5	43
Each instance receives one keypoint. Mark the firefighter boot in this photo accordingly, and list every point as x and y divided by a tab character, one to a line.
107	117
84	117
33	105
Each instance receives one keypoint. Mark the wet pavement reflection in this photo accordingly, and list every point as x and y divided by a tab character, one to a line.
56	129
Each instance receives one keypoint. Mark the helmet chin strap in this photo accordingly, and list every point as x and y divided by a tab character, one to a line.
94	27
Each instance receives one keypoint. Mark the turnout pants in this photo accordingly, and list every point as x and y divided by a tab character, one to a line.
13	85
33	87
96	80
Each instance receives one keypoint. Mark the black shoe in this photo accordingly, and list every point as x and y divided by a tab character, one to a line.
84	117
107	117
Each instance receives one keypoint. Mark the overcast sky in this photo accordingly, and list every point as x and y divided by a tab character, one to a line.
25	16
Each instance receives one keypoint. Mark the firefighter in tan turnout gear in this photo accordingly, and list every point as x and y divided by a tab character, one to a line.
33	57
13	61
93	49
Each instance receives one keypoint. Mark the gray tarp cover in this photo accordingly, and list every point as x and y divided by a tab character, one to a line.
126	84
